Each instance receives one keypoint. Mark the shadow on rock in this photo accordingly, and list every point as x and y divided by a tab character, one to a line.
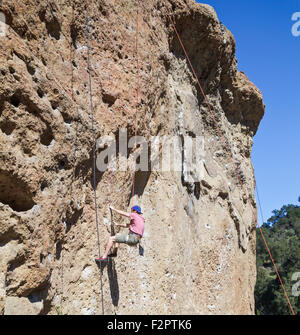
113	281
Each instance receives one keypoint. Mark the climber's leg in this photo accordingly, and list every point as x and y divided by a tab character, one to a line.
110	243
130	239
114	251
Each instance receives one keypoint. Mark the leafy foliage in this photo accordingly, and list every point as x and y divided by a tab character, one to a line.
282	233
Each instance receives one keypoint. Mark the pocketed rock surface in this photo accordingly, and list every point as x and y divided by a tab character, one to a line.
198	252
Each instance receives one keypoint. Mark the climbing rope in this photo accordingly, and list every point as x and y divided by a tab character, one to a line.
94	143
93	130
228	152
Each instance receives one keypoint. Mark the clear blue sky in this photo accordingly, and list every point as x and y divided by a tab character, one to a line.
269	54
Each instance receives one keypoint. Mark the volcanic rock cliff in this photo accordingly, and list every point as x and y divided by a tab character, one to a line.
198	252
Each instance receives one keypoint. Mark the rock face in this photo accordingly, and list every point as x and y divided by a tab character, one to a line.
199	243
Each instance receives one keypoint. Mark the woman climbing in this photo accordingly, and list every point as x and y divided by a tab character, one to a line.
136	231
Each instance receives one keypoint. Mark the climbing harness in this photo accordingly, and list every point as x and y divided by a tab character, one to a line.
228	152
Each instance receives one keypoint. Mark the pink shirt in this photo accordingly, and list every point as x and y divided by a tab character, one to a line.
137	224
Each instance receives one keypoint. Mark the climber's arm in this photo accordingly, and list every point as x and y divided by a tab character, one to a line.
120	212
122	225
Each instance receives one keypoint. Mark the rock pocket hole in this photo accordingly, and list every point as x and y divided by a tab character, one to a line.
40	93
61	164
46	136
44	185
15	193
7	127
109	99
74	32
15	100
30	69
54	104
42	258
197	190
66	117
223	195
53	27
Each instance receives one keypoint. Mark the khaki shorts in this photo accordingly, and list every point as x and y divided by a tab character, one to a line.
130	239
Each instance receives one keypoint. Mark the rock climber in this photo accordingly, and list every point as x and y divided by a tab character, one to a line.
136	231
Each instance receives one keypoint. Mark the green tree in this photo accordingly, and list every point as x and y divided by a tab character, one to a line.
282	233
